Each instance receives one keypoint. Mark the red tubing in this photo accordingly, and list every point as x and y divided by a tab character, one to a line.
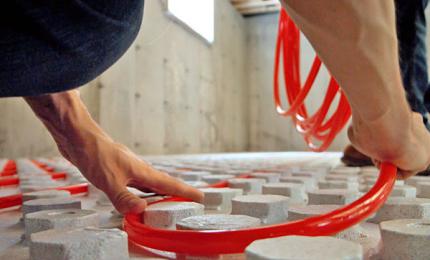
230	242
9	169
9	181
10	201
58	175
312	127
75	189
16	200
315	126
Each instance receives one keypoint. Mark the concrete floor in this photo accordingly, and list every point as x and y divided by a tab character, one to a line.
11	228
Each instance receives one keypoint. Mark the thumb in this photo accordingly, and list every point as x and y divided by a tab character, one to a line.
351	134
126	202
354	140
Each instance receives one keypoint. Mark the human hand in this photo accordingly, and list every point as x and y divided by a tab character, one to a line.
406	143
110	166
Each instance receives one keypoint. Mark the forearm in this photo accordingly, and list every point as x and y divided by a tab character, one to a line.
109	166
357	41
68	121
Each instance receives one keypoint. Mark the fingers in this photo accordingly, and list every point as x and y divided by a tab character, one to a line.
354	140
376	163
403	175
351	135
165	184
417	116
125	201
141	188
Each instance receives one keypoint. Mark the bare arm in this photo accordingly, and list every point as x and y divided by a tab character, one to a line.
357	41
106	164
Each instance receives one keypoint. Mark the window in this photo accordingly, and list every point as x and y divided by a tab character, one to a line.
198	15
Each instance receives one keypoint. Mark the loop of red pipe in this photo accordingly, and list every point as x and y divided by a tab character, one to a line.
230	242
315	126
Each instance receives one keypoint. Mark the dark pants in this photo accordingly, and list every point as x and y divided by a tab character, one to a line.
49	46
411	31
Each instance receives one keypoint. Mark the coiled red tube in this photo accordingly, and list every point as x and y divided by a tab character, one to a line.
315	126
229	242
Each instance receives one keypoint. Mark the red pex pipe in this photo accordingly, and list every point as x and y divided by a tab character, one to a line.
315	126
9	181
50	170
10	201
75	189
43	166
231	242
312	127
16	200
9	169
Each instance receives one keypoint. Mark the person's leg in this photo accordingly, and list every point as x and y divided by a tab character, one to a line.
411	32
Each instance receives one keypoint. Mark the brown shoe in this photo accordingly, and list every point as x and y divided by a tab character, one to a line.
352	157
426	172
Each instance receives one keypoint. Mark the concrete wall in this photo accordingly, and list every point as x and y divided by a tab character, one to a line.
268	130
171	93
22	134
174	92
